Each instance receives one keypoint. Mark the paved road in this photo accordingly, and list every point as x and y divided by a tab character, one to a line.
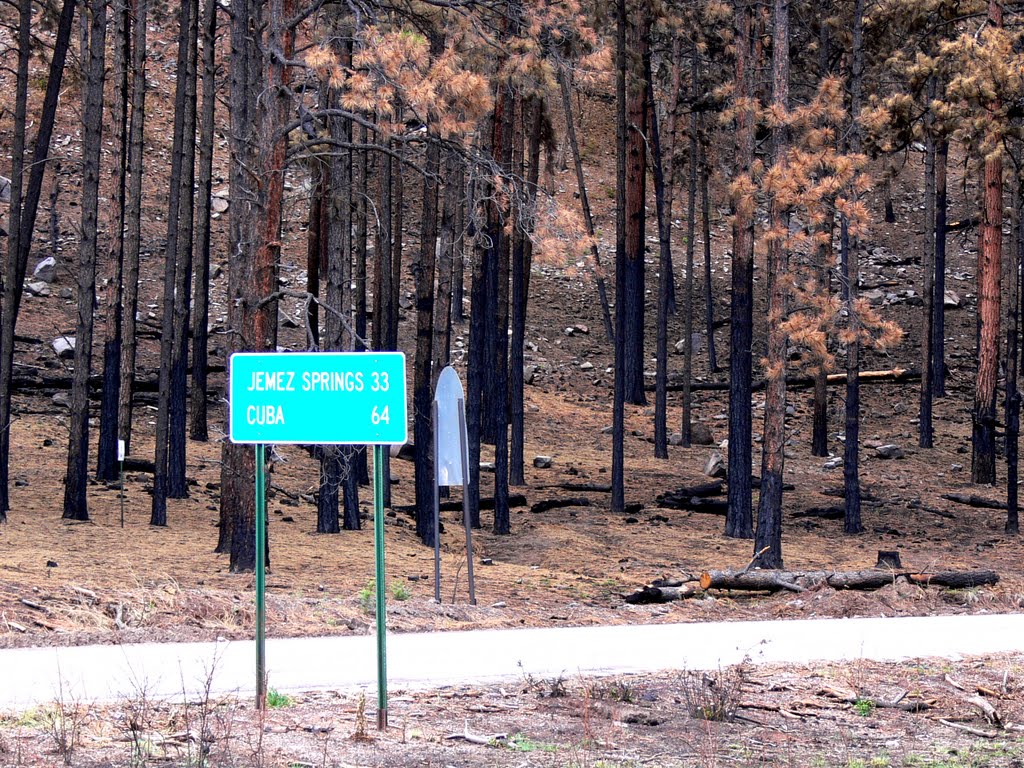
31	676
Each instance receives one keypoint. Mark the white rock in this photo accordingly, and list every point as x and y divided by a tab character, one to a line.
64	346
38	289
46	270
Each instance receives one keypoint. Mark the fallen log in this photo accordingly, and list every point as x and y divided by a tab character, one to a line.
955	579
547	504
704	489
756	581
579	487
651	594
695	504
972	500
868	579
826	513
486	502
894	375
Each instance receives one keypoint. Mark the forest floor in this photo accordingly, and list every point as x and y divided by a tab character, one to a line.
102	581
794	716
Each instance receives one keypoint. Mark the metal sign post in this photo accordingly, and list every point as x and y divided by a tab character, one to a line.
319	398
378	551
120	474
451	465
261	577
466	522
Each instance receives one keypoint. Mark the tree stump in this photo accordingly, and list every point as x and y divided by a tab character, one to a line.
888	559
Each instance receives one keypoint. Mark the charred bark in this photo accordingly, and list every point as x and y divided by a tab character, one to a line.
76	479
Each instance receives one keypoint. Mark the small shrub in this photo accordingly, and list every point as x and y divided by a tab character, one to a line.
277	700
360	733
713	695
616	690
551	688
864	707
65	722
367	597
520	742
399	591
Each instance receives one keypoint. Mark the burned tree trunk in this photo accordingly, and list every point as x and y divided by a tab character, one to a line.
201	299
9	315
76	479
990	251
638	36
17	260
133	225
423	268
106	453
768	541
581	185
739	521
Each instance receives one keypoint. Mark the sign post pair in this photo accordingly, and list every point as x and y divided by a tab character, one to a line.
451	466
319	398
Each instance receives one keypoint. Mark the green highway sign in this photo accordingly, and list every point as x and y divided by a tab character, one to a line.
318	398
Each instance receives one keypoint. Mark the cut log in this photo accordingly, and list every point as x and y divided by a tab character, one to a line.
826	513
799	581
579	487
486	502
955	579
866	580
651	594
136	464
705	506
695	499
894	375
715	488
974	501
548	504
758	581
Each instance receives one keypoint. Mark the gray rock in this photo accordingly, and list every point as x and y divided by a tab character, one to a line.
62	399
607	430
696	344
38	289
951	299
834	463
219	204
587	366
46	270
529	372
889	452
64	346
715	466
700	434
66	293
542	462
676	438
5	189
875	296
899	408
286	321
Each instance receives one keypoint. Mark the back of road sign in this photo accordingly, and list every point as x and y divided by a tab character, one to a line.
318	398
449	398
